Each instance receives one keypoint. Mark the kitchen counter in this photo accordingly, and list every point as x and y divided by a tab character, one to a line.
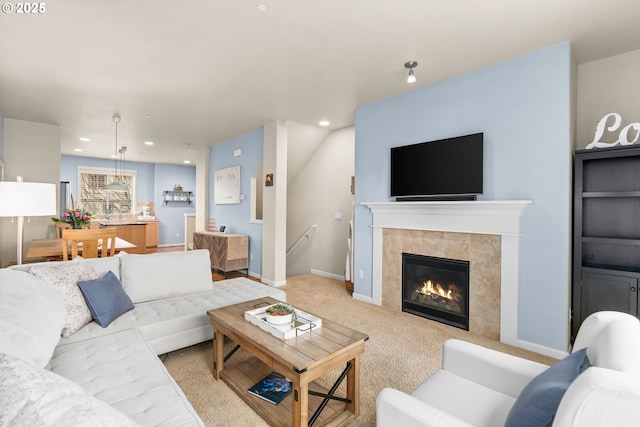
133	231
113	222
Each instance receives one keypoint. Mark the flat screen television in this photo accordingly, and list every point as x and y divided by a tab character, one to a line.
446	169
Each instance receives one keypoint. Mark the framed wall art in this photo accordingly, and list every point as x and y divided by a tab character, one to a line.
227	186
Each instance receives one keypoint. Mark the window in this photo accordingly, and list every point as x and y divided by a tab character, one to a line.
94	199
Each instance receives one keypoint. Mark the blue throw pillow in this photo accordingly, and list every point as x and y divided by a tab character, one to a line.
537	404
105	298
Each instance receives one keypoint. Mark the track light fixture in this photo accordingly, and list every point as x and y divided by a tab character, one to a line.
411	78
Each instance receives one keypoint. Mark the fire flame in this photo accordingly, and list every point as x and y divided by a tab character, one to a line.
429	289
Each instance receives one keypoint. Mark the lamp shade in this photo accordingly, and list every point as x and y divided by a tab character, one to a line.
27	199
115	186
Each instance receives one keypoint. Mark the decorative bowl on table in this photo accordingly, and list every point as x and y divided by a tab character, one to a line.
280	314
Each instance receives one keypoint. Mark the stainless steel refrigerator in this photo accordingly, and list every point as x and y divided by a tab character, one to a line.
65	197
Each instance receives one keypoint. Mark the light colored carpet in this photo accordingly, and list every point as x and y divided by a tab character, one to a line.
401	352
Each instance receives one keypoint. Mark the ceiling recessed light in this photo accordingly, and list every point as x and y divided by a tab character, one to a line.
147	116
84	139
262	7
148	143
324	123
186	161
77	150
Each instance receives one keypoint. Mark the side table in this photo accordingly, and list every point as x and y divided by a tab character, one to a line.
229	252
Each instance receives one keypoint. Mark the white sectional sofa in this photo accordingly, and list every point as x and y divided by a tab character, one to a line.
106	375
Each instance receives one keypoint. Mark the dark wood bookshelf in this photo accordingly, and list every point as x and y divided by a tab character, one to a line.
606	232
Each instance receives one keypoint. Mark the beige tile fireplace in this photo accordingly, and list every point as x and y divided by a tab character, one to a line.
481	250
485	233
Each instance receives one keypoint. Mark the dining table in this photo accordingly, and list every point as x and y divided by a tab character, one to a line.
51	249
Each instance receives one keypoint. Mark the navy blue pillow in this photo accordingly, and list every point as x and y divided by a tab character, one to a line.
537	404
105	298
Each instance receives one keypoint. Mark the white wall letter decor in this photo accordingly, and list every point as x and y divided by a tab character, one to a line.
623	137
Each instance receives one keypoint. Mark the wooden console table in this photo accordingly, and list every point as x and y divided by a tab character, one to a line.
302	360
229	252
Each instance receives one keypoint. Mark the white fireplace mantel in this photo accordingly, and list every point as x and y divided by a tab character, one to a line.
501	217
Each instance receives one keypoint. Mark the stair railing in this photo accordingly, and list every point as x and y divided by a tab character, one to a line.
306	235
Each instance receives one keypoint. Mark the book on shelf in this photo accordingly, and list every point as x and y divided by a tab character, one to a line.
272	388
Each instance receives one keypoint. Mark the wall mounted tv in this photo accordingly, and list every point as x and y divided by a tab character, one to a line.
447	169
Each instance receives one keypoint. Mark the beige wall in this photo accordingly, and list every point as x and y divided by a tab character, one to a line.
321	189
31	150
609	85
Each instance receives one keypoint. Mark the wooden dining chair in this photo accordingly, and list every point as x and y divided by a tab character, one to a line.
88	243
61	226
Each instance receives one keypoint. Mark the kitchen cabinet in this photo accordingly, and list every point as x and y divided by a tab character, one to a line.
152	234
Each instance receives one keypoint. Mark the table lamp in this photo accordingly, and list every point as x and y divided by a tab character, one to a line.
19	199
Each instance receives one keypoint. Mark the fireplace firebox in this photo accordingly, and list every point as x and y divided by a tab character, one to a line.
436	288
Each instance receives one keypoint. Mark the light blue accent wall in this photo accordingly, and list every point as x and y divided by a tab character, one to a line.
151	180
171	215
523	106
237	216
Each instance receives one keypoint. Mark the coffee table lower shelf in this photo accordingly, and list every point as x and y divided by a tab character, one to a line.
242	376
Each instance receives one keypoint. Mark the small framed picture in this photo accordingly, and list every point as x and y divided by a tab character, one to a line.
269	181
222	228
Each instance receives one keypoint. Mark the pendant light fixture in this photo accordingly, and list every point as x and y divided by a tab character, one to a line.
411	78
116	185
122	152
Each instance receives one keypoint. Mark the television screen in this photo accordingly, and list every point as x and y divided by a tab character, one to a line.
447	167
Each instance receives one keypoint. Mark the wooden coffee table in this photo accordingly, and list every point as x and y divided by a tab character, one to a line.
301	359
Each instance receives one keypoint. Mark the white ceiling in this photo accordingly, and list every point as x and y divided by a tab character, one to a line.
189	74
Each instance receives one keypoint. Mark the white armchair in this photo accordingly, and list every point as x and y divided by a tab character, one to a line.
478	386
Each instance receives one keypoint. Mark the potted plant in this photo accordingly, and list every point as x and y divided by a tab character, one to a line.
78	218
280	314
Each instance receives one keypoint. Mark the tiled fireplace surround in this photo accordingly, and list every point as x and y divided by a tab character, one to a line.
481	250
485	233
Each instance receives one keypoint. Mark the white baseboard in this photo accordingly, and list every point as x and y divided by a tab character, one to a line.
362	298
540	349
325	274
272	283
254	275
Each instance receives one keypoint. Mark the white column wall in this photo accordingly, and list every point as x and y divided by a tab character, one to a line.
202	189
274	226
22	140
